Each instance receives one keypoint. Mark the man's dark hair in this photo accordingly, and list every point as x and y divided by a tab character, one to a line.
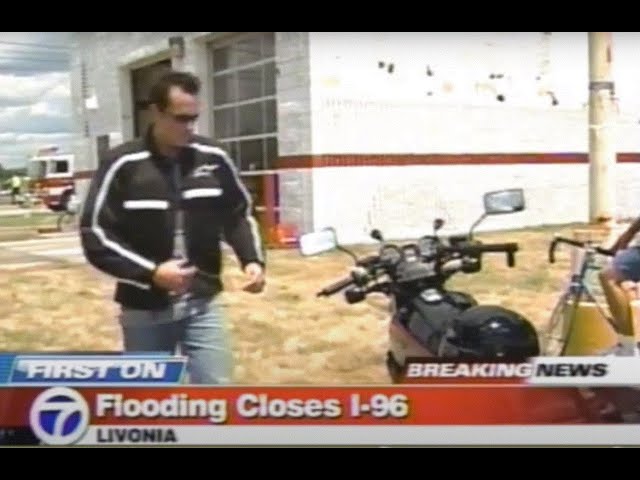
159	94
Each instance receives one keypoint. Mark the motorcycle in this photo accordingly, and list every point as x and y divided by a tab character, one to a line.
427	318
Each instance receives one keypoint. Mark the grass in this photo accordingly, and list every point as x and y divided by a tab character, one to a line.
25	226
30	220
14	234
285	335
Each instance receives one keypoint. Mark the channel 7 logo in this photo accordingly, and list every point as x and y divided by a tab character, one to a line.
59	416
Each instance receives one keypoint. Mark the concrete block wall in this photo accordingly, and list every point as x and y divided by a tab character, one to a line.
460	68
359	107
294	126
403	201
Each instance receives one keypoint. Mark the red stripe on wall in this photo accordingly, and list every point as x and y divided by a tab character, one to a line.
382	160
349	160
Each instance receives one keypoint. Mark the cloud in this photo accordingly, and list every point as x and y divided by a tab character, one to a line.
16	148
34	53
17	91
28	67
39	138
35	94
39	117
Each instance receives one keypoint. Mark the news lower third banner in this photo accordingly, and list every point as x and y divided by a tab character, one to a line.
163	370
86	369
110	399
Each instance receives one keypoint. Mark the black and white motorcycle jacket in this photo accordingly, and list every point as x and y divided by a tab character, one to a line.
128	219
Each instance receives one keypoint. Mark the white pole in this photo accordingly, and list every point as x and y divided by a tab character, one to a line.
602	152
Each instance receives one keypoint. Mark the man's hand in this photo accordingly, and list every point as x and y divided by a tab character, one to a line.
173	276
255	278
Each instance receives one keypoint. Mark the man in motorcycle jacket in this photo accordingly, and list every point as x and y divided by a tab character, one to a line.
153	218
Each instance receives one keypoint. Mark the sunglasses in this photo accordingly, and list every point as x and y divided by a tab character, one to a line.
183	118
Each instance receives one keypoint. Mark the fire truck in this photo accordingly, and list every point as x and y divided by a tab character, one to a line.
51	177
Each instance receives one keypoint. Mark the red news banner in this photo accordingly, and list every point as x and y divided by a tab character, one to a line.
44	401
383	405
89	399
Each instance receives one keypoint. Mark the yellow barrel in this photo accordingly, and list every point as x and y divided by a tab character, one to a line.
586	330
634	305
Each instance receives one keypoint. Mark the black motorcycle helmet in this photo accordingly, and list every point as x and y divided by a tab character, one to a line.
490	332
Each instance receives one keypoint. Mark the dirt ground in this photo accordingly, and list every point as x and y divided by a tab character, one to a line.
285	335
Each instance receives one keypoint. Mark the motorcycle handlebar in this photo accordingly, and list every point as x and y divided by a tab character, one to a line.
335	287
576	243
508	248
356	276
370	261
484	248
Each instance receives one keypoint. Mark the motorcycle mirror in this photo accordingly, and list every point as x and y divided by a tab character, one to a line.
500	202
438	223
321	241
377	235
475	224
314	243
504	201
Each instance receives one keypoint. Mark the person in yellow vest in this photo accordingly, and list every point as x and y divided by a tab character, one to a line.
16	183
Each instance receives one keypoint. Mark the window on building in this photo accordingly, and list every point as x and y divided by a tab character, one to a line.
61	166
244	99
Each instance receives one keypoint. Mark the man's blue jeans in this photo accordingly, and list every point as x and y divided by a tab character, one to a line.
196	326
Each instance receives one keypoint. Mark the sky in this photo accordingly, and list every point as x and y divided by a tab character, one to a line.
35	106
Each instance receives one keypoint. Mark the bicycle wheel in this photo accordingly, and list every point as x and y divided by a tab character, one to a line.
66	222
554	336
